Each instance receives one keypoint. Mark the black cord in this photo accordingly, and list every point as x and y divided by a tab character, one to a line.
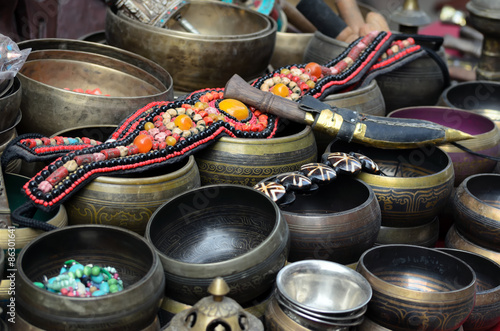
489	157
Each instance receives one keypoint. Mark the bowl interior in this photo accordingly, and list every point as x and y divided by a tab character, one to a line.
99	245
418	268
340	196
63	73
486	188
212	224
474	95
407	163
486	270
454	118
212	18
323	286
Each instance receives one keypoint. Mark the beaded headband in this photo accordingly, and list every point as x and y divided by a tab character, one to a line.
165	132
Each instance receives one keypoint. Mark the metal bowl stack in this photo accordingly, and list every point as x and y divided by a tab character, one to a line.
10	116
322	295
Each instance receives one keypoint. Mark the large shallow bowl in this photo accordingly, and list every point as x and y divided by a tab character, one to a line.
481	97
232	39
231	231
486	312
56	64
247	161
476	210
338	222
486	137
417	288
137	263
416	185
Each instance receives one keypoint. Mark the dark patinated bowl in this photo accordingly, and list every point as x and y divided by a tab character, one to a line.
423	235
486	312
417	288
9	105
338	222
229	231
134	258
455	239
416	185
481	97
486	137
476	210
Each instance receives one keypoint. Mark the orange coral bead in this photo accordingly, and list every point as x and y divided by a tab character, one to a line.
144	143
281	90
235	108
183	122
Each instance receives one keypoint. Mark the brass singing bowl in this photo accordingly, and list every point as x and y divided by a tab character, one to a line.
127	201
15	196
9	105
416	185
455	239
486	137
486	312
228	231
338	222
481	97
434	289
134	258
423	235
131	81
247	161
232	40
476	210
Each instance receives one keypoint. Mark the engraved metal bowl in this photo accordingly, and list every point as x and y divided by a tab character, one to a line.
9	106
228	231
138	265
486	312
422	235
127	201
338	222
131	81
416	185
486	137
435	290
232	39
481	97
476	210
248	161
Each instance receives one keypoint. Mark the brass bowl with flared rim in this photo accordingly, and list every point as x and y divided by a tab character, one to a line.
232	39
338	222
248	161
481	97
455	239
416	185
435	289
135	260
476	210
57	64
422	235
127	201
486	137
486	312
9	105
228	231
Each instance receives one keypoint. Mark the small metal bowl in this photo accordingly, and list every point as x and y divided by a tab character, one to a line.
486	312
229	231
323	287
422	235
455	239
434	289
476	210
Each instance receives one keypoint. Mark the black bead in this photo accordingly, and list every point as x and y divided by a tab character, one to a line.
119	161
156	154
183	143
67	183
65	159
33	190
142	157
87	167
253	135
39	179
163	152
45	173
190	140
100	164
73	177
39	194
48	196
170	149
56	192
163	108
52	168
80	172
32	184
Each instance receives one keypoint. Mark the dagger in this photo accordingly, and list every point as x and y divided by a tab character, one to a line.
345	124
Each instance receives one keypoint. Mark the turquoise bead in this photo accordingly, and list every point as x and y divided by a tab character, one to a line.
74	267
98	293
104	287
97	279
38	284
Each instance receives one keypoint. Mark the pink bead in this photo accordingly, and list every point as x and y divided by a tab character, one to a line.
45	186
99	157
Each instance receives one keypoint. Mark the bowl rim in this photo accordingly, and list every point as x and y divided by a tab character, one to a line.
486	209
454	235
130	288
414	295
446	91
487	260
324	264
270	28
272	141
241	262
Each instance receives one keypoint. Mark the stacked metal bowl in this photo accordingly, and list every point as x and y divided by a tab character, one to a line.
318	295
10	114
